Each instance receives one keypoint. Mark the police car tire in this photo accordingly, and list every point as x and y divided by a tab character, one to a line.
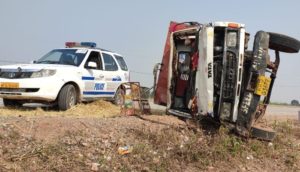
11	103
67	97
283	43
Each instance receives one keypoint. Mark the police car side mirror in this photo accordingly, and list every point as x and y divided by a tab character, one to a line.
32	62
92	65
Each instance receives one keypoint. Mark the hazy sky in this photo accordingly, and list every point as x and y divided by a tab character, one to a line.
137	29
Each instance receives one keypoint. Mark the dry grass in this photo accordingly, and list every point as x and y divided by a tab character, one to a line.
166	149
182	150
95	109
156	146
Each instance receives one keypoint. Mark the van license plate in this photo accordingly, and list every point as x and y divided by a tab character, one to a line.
263	84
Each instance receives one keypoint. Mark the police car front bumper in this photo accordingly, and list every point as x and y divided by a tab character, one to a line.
39	89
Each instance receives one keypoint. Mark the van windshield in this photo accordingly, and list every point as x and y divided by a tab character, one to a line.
64	56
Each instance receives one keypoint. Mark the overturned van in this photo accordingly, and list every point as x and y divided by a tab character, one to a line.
207	70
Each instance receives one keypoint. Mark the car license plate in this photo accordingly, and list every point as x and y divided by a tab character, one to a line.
263	85
9	85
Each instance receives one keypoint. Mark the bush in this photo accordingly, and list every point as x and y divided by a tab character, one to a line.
295	102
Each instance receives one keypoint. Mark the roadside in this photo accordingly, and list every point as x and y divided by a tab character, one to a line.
88	137
154	142
282	112
274	112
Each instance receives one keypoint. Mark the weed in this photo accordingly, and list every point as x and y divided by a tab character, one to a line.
154	149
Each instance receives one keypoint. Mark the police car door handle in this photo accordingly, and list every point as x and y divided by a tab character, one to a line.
101	76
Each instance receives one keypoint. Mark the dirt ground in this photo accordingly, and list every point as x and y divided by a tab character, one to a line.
81	140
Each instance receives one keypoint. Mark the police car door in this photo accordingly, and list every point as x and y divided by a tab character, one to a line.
93	77
113	76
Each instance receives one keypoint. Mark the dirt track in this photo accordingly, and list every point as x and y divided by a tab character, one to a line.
281	112
273	111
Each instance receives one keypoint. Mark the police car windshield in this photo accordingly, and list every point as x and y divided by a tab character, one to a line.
64	56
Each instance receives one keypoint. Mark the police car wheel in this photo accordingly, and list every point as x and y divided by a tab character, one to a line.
67	97
119	97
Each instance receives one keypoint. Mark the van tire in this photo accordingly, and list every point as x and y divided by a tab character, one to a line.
67	97
283	43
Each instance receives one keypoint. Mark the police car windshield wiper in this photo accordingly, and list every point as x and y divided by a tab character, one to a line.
47	62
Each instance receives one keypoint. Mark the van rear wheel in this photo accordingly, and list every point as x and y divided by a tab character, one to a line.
67	97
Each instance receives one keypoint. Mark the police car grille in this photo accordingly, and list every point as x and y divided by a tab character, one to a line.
15	75
230	77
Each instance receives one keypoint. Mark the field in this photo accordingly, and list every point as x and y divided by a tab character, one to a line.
90	136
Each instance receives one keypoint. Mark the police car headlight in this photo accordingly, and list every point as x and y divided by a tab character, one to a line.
43	73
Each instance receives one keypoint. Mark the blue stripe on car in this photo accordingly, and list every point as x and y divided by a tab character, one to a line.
98	93
116	79
88	78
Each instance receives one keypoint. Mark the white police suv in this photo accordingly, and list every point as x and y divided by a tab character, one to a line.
79	72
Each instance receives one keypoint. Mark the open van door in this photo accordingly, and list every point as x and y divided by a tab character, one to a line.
161	83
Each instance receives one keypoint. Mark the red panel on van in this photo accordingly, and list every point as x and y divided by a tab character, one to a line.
160	95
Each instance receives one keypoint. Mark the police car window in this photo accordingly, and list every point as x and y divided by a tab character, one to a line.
62	56
94	57
121	62
109	62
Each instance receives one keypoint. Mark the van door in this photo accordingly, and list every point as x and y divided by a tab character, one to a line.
161	85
